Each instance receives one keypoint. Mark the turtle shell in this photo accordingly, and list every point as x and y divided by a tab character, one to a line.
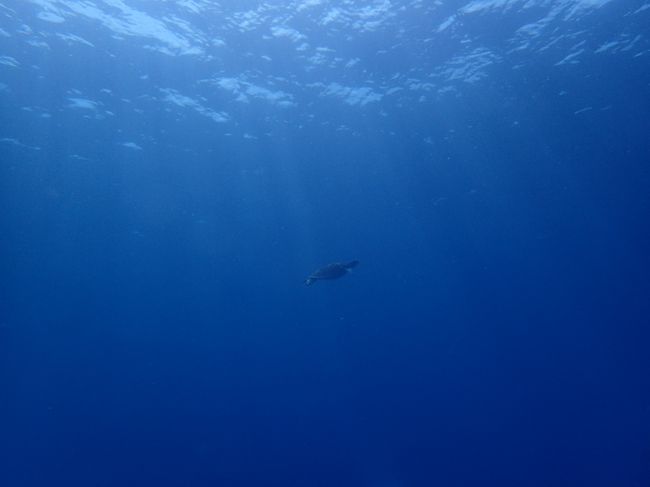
331	271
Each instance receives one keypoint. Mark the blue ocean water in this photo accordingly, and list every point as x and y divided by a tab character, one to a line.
172	171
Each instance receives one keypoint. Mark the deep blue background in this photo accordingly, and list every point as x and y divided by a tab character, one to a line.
155	329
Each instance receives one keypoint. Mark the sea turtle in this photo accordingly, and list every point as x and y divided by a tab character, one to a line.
331	271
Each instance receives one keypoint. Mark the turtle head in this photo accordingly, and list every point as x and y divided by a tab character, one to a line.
351	264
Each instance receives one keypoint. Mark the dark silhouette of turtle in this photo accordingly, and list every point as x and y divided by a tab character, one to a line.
331	271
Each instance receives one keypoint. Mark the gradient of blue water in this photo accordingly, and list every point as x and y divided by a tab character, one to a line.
156	331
